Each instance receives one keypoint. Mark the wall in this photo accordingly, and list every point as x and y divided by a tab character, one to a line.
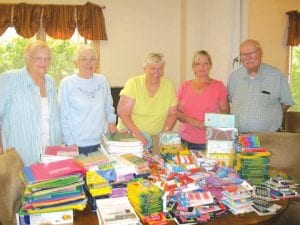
218	27
175	27
268	24
179	27
135	29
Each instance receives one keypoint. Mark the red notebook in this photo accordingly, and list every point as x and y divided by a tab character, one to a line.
61	151
45	171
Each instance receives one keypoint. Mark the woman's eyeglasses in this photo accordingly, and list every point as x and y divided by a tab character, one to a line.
41	59
86	60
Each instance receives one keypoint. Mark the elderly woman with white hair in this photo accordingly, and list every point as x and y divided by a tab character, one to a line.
148	102
86	104
29	111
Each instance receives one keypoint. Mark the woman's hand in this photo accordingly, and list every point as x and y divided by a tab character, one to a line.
142	139
195	123
112	128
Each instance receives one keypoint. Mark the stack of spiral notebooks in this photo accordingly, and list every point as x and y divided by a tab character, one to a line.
252	162
145	197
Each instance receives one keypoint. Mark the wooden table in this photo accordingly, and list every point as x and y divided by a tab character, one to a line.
87	217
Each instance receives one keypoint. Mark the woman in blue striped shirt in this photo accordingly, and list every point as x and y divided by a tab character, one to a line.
29	111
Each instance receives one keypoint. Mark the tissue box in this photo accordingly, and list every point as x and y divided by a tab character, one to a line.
214	146
169	138
226	134
220	120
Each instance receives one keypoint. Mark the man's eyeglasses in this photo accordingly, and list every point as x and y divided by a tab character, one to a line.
245	55
86	60
41	59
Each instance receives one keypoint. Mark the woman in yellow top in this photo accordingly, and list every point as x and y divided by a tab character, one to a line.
148	102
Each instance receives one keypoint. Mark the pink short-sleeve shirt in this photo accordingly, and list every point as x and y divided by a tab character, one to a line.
196	104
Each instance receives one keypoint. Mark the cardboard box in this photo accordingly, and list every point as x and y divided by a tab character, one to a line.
54	218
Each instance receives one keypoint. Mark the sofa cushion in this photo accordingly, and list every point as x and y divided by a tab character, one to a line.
285	148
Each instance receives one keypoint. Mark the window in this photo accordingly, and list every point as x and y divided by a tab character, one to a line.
11	47
11	53
295	77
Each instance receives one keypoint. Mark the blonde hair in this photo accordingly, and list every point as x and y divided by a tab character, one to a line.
33	46
199	54
154	57
83	48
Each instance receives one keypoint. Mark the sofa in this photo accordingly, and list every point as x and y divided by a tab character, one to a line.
11	186
292	121
285	149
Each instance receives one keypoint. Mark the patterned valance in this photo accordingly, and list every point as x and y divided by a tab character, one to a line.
59	21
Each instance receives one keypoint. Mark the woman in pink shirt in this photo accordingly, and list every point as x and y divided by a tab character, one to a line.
197	97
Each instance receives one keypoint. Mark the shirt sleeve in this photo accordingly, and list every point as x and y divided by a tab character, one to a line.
230	86
130	88
109	108
5	94
285	92
181	90
63	98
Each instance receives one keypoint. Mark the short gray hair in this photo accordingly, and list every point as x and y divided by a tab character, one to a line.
83	48
154	57
252	42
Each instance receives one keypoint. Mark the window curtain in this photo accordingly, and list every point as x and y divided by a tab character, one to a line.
59	21
26	19
293	38
5	17
86	17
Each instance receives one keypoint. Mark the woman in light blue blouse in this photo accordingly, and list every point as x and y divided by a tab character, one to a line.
29	111
86	104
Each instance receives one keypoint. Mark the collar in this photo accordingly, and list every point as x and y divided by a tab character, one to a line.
259	75
29	82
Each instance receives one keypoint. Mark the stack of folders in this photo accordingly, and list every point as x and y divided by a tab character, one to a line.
121	143
124	170
141	165
97	185
55	153
116	212
92	160
53	186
